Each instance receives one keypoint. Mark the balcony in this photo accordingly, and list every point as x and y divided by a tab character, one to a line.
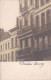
24	52
45	29
39	53
29	54
24	9
24	30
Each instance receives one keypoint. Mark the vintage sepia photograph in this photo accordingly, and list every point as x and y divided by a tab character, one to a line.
25	30
25	39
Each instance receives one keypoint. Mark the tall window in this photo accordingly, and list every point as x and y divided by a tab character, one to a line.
20	23
1	47
8	57
26	21
12	56
43	42
36	4
29	42
12	41
23	44
40	43
26	4
49	40
37	21
0	57
15	41
20	5
46	42
6	46
48	16
43	19
5	57
31	2
20	43
16	55
35	44
42	2
26	42
31	20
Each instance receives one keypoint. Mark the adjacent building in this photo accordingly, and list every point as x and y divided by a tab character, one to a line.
9	46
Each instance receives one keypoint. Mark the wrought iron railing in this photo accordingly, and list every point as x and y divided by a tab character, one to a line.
24	9
42	29
24	51
24	29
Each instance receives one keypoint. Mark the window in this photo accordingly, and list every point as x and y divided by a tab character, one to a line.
46	42
36	4
49	40
6	46
37	21
8	57
43	20
0	57
15	41
31	20
20	43
23	44
47	1
1	47
16	55
42	2
12	56
43	42
26	21
48	16
31	2
20	23
26	4
20	5
40	43
12	40
5	57
17	23
29	42
35	44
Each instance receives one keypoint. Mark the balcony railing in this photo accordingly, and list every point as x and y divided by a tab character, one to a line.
43	29
24	30
33	54
24	9
35	30
24	51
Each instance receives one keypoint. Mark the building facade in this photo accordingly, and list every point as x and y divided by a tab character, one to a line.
35	29
9	46
32	36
